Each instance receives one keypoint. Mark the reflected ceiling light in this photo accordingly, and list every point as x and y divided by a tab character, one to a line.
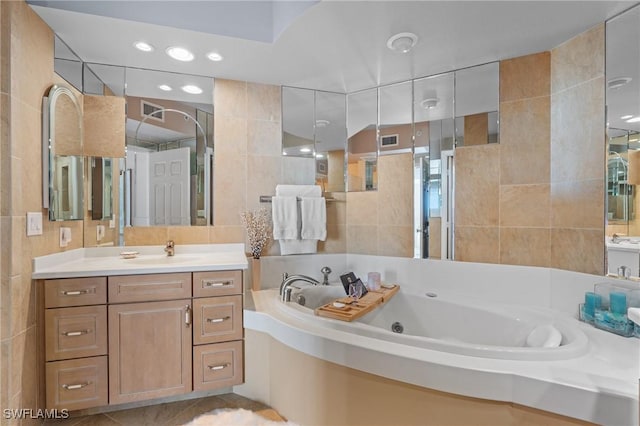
429	103
165	87
634	140
305	149
402	42
319	156
626	117
614	83
635	119
322	123
214	56
180	54
144	46
284	152
192	89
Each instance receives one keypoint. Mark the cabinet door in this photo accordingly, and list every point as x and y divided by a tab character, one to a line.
149	350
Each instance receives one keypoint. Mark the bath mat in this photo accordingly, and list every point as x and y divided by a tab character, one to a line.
239	417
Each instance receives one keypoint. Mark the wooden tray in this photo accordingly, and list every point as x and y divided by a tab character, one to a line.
355	309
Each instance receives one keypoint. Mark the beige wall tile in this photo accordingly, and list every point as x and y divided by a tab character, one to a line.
525	246
525	128
187	235
580	250
477	244
395	190
230	98
477	177
362	239
226	234
578	133
578	59
435	238
263	174
23	306
337	210
395	241
29	388
146	235
5	366
16	362
16	205
264	138
476	129
525	77
264	102
525	205
104	126
230	192
578	204
230	135
362	208
336	239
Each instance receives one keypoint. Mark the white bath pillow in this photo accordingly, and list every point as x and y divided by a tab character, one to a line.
544	336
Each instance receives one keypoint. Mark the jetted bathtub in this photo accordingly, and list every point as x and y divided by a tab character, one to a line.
465	327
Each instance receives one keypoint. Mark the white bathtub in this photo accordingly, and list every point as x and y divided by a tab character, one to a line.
463	327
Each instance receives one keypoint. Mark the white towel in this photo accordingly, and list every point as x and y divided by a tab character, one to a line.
285	218
298	190
314	218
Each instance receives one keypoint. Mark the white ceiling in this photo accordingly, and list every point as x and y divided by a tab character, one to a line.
332	45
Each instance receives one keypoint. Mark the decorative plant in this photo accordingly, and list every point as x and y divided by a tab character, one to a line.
258	227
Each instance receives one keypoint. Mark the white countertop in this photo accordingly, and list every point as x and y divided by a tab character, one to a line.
98	261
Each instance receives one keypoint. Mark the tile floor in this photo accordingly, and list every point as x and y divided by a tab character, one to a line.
167	414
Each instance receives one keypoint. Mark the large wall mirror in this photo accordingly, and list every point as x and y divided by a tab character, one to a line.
395	126
63	169
623	123
362	142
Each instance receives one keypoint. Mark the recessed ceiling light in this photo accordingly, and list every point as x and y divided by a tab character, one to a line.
144	46
192	89
180	54
429	103
284	153
322	123
626	117
614	83
635	119
165	87
214	56
305	149
402	42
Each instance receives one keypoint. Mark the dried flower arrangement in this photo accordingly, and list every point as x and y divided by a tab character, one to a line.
258	227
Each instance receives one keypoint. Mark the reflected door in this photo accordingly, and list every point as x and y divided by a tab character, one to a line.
169	182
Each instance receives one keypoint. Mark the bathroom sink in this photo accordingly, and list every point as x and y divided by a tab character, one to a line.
163	259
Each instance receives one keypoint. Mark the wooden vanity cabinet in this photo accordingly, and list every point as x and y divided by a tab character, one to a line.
122	339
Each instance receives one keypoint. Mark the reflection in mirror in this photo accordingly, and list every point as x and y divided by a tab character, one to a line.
67	64
395	126
101	186
62	155
433	158
623	121
477	92
330	140
362	149
298	122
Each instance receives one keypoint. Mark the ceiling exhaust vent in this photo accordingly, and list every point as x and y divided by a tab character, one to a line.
154	112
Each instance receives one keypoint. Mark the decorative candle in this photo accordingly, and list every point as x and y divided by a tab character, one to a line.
618	302
592	301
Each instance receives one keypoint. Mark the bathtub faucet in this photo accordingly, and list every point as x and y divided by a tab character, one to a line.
287	280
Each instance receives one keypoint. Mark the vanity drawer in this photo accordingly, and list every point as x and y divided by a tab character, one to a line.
217	319
75	332
217	366
75	292
147	288
78	383
218	283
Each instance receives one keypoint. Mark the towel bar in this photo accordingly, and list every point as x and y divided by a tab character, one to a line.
267	198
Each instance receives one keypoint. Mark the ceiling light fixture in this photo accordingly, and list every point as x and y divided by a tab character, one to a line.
402	42
429	103
635	119
215	57
143	46
322	123
192	89
305	150
165	87
180	54
615	83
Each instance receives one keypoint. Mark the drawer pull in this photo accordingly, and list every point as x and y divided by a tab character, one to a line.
76	386
218	367
76	333
215	320
187	315
208	283
75	292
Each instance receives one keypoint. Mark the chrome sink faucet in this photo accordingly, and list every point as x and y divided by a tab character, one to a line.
170	248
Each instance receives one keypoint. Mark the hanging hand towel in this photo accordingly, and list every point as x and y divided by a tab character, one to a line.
314	218
285	218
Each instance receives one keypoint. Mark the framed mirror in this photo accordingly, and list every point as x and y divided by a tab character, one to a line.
63	170
362	140
477	91
433	158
